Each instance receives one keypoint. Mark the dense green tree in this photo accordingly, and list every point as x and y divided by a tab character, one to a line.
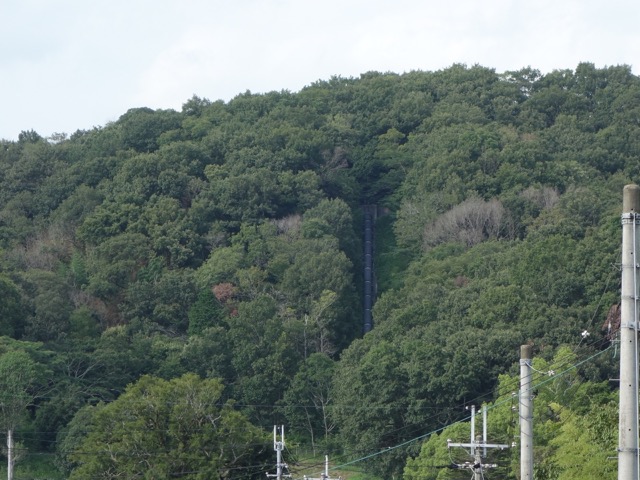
160	296
22	379
140	128
318	270
114	264
208	354
263	357
586	445
336	219
49	319
221	266
118	358
308	399
370	395
205	312
12	314
161	428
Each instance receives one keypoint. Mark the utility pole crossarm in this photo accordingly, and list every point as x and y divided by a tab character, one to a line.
501	446
278	446
477	447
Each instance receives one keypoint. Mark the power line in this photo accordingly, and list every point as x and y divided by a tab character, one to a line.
495	405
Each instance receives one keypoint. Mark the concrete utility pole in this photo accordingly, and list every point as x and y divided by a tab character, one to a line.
476	446
10	454
526	415
278	446
628	420
325	475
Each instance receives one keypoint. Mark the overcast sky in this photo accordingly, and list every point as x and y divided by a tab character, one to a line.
74	64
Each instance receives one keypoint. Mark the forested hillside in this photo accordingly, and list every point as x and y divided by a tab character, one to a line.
176	283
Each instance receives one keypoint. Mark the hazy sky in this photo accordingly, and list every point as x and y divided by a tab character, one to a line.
74	64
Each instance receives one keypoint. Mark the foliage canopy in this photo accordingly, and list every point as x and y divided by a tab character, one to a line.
221	245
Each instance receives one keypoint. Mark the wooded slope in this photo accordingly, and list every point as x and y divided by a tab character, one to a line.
225	240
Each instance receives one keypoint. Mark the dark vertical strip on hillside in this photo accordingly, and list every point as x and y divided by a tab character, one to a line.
370	213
